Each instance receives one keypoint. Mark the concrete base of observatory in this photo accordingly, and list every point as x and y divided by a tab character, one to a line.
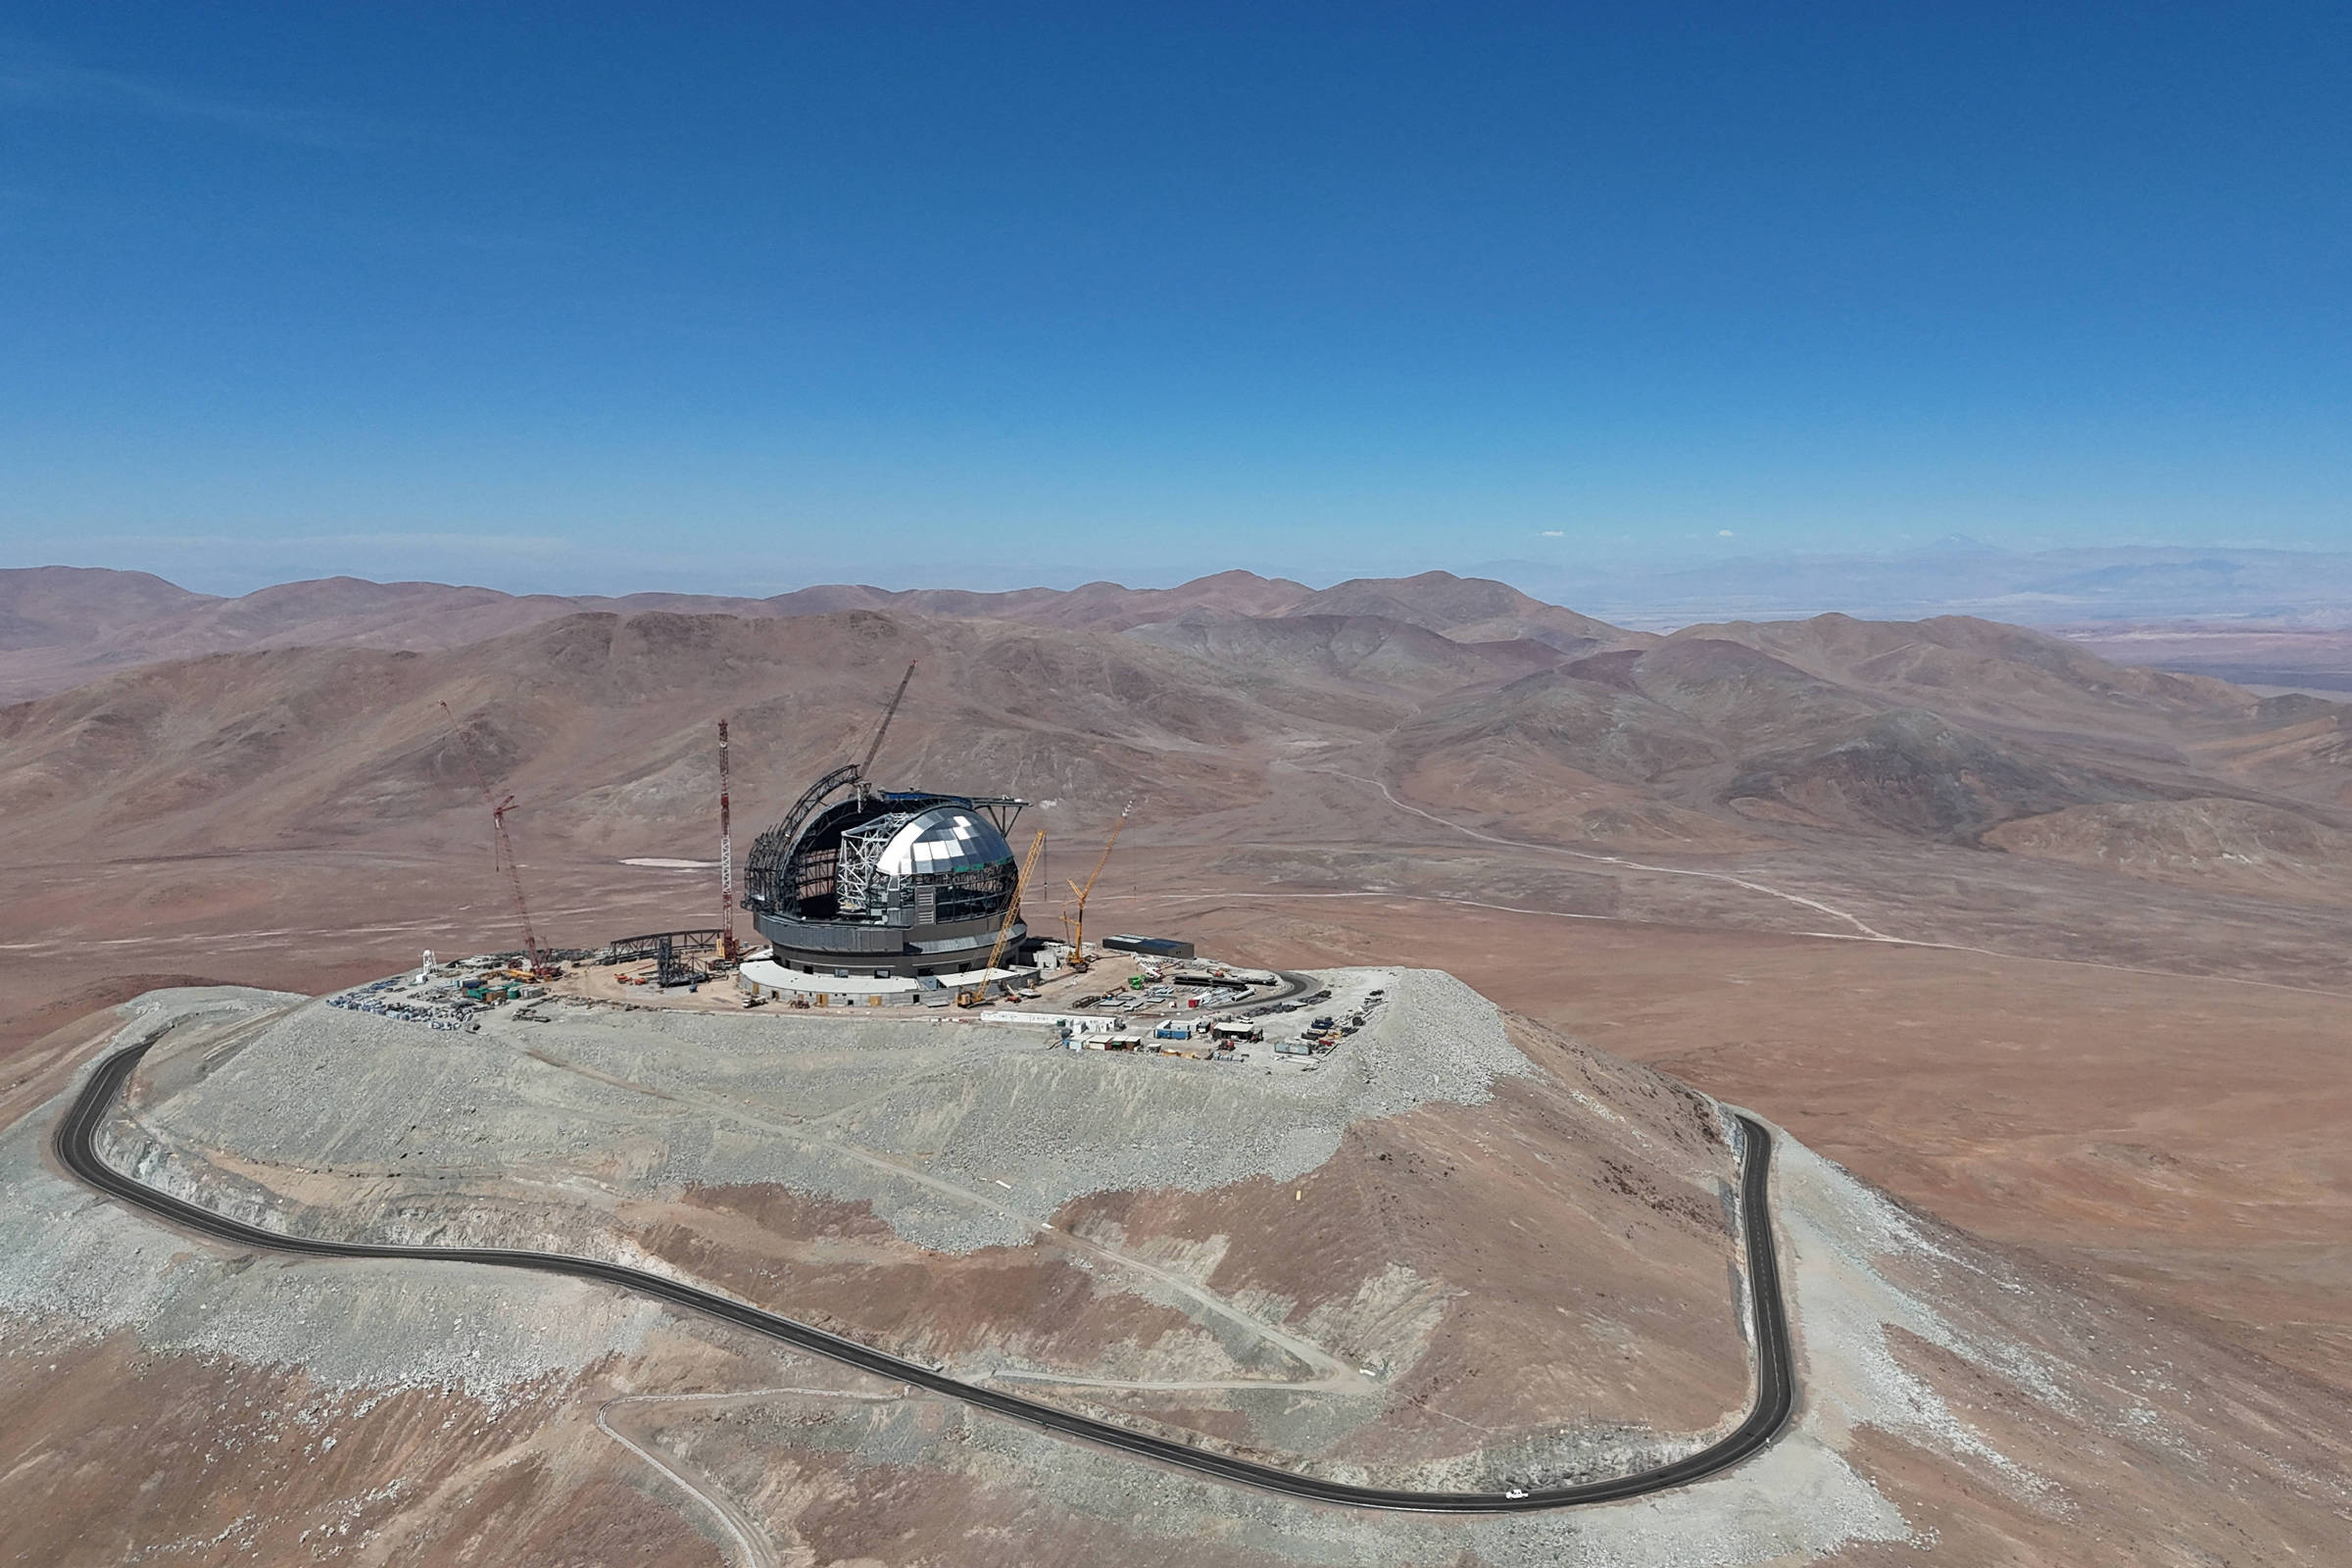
768	980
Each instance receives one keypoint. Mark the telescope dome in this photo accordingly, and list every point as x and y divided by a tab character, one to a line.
942	840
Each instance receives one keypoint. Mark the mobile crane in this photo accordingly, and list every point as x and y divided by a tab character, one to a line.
972	996
1074	920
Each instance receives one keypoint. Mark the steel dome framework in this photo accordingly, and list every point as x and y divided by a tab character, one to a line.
883	882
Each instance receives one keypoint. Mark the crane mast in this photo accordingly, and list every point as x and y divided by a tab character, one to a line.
972	996
865	767
1077	923
503	848
726	856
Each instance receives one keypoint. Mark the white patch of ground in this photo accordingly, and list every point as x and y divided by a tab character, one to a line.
1842	1233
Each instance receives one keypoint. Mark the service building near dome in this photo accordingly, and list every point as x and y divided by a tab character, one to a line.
883	893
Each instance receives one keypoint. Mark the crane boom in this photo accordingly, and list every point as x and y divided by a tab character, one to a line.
971	996
888	713
501	848
726	856
1078	926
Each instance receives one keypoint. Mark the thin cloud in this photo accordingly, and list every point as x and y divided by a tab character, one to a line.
32	79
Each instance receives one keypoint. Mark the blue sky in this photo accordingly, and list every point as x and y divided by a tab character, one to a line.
740	298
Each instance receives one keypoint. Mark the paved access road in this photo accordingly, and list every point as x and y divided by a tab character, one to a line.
1775	1382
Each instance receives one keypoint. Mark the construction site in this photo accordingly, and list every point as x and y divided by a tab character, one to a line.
870	898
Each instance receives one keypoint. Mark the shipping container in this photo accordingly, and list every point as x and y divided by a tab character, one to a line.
1155	947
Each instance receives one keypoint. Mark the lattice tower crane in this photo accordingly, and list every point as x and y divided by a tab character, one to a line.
502	849
1075	923
972	996
865	767
726	857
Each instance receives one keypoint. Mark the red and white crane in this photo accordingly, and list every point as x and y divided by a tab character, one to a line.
502	849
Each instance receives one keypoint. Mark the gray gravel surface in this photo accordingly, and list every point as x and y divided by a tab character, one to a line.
76	1267
624	1104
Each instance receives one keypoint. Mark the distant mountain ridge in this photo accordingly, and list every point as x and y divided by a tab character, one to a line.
63	625
1959	576
1466	693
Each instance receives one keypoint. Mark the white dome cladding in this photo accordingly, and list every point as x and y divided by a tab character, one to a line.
940	840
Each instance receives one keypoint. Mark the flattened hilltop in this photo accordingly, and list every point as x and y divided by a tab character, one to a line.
1464	1249
1323	1267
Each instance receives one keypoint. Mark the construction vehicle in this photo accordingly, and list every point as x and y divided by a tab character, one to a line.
973	995
1073	920
503	854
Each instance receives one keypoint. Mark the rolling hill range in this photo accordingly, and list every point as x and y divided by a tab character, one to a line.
1992	922
1931	732
62	625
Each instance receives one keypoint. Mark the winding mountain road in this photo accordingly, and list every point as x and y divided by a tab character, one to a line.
1775	1378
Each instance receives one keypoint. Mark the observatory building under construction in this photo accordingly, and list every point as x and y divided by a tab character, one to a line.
885	884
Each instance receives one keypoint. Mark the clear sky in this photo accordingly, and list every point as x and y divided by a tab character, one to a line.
737	298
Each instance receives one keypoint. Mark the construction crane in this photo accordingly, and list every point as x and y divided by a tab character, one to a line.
503	850
1075	923
865	769
726	858
972	996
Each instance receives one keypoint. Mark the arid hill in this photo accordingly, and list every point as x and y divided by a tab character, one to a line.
61	625
1465	1252
1713	739
2255	849
599	722
1995	922
1469	609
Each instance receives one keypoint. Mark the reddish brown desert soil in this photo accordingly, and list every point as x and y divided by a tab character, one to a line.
2180	1136
1940	898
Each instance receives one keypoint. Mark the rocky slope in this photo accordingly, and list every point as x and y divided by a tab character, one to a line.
63	625
2246	848
1350	1269
1960	1405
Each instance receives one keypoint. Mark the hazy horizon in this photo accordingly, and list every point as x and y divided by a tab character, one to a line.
1952	575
